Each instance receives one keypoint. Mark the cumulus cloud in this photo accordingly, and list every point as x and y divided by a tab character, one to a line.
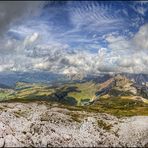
31	39
44	47
57	57
118	42
141	38
130	55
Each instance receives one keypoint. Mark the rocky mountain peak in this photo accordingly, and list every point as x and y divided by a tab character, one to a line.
121	81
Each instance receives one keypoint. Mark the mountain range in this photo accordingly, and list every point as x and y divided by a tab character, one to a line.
10	78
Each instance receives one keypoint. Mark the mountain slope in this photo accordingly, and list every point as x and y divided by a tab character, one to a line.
117	94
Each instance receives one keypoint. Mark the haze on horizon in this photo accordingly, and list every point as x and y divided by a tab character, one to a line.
87	37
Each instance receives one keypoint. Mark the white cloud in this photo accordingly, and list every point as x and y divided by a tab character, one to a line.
42	49
93	17
141	38
30	40
140	7
41	65
118	43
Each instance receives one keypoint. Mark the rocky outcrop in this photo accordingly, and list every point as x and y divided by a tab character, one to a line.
122	83
41	124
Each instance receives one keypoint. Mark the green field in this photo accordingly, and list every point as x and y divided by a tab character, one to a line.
87	91
119	106
75	94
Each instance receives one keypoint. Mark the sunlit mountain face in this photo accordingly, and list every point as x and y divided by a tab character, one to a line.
74	37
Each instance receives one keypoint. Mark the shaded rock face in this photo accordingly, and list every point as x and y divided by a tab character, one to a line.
124	84
42	124
120	81
118	86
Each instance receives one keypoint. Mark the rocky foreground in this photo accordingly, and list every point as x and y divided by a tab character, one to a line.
43	124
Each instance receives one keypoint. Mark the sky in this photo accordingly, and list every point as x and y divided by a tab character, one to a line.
74	37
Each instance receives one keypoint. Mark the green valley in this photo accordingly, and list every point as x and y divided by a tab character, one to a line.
116	96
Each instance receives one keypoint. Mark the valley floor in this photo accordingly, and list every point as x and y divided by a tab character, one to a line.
40	124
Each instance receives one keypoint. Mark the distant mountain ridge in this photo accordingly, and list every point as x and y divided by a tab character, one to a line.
9	79
116	88
3	86
121	85
139	79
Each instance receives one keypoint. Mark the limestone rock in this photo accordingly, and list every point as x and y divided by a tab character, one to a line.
41	125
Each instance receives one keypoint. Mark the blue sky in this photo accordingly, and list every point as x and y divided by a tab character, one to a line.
83	23
74	36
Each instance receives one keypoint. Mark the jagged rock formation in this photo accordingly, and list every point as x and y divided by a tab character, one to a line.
122	83
42	124
120	80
